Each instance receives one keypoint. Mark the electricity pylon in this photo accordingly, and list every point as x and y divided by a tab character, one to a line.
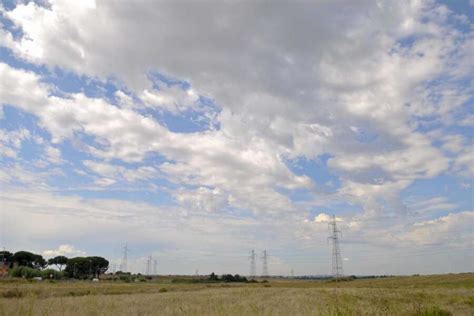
123	266
337	271
265	264
253	270
155	267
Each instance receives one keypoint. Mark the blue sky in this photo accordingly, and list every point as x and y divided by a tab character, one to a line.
198	137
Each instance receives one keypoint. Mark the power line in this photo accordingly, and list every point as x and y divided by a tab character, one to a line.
374	255
337	271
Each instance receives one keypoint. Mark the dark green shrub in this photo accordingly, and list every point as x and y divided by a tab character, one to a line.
24	272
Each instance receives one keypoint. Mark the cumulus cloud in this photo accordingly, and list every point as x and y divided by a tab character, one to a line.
452	229
366	75
63	250
325	218
208	158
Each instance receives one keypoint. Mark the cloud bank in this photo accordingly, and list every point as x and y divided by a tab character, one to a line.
237	123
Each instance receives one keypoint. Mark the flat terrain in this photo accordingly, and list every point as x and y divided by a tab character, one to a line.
417	295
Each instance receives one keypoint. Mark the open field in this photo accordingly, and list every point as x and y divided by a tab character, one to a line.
421	295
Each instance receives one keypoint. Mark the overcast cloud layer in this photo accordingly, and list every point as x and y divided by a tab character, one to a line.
197	131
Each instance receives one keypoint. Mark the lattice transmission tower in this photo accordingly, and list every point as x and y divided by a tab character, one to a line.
337	271
149	263
265	264
155	267
253	269
123	266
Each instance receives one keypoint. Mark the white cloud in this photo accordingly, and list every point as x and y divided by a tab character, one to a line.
452	229
358	75
63	250
357	83
172	99
464	162
204	199
325	218
11	141
104	182
53	155
206	158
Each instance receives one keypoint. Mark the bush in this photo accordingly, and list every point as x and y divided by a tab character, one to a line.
125	277
25	272
233	278
163	290
46	274
228	278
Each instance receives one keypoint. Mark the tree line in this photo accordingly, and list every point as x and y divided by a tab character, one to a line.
28	264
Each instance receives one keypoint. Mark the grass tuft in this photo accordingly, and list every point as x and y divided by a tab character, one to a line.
13	293
435	311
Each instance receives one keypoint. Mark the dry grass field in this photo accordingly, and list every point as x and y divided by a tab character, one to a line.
419	295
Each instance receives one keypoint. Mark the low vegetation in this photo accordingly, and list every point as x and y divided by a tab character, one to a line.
421	295
213	278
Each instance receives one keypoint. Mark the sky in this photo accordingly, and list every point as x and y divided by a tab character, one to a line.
196	131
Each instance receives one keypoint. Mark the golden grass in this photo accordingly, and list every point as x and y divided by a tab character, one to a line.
423	295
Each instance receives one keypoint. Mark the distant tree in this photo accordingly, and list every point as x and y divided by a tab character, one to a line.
213	277
239	278
77	268
85	267
99	265
227	278
28	259
233	278
6	257
58	261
